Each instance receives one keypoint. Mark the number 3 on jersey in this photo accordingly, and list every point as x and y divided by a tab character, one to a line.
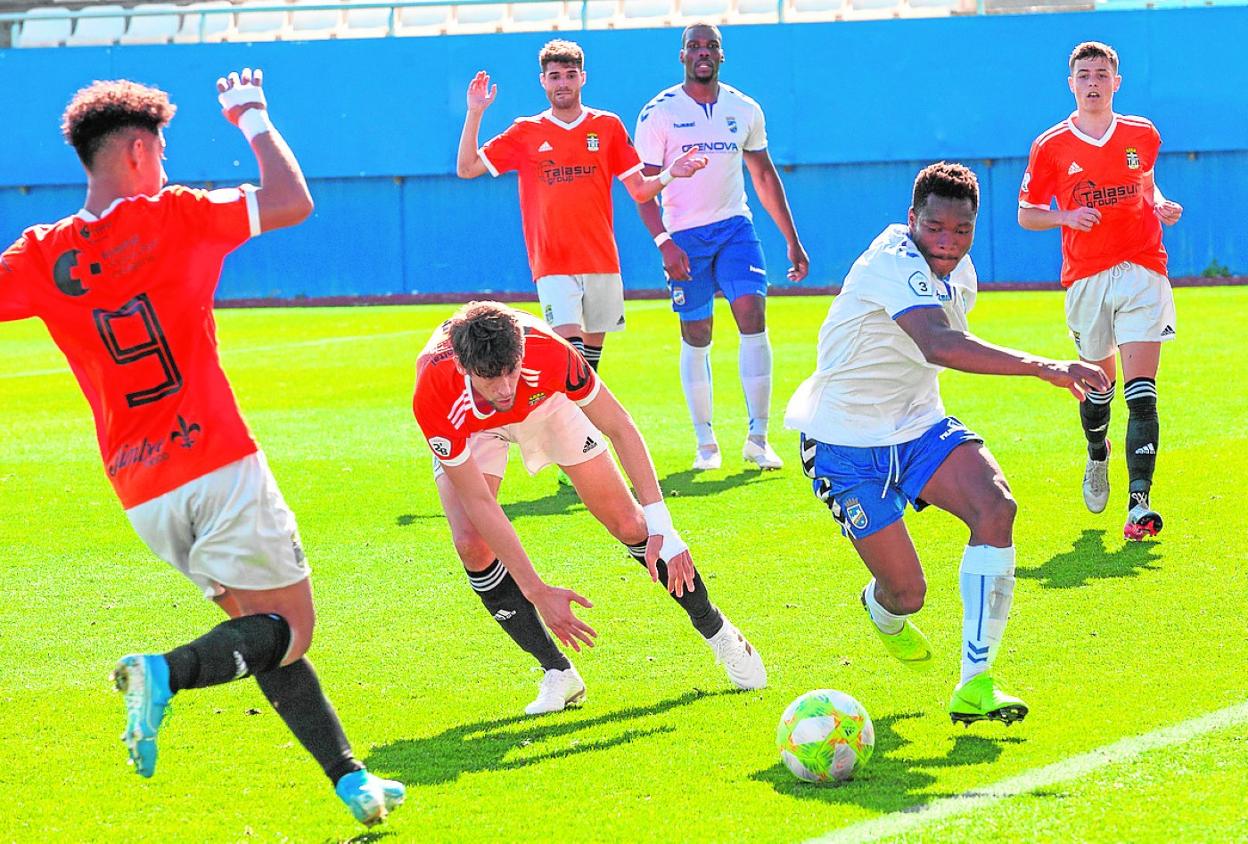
144	338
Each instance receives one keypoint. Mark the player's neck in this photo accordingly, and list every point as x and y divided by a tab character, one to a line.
101	193
702	92
567	115
1094	124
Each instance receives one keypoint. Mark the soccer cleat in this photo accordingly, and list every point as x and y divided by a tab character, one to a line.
761	455
559	689
144	681
708	459
1142	521
1096	483
370	798
908	644
979	699
744	666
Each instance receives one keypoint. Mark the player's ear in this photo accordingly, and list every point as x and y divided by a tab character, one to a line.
912	218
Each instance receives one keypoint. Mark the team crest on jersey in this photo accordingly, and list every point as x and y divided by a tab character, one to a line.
678	295
732	125
1133	158
591	141
535	398
854	513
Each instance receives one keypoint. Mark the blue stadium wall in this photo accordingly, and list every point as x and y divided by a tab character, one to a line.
853	110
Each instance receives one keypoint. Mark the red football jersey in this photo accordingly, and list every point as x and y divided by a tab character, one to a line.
1108	174
128	297
448	410
565	174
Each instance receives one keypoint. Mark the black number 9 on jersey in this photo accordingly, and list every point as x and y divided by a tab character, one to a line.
153	344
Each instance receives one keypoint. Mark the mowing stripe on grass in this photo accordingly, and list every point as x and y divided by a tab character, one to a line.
909	820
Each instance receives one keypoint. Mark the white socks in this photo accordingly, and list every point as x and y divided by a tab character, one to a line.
885	620
987	584
754	363
695	378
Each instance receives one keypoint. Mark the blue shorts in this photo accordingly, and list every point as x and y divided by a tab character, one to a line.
725	256
867	488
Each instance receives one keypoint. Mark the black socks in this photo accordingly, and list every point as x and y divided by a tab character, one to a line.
233	649
516	614
704	616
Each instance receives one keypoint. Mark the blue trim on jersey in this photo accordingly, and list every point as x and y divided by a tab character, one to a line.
914	308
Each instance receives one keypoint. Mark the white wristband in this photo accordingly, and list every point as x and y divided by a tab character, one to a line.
665	177
662	238
254	121
658	519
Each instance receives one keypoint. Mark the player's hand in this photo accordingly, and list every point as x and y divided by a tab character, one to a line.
1168	212
1081	219
239	92
481	93
1077	377
799	263
555	606
689	163
675	261
680	569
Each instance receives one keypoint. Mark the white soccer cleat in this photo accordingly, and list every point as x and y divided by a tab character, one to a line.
763	456
559	689
743	664
709	458
1096	483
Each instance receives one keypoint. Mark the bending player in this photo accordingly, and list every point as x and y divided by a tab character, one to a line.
875	435
125	287
491	376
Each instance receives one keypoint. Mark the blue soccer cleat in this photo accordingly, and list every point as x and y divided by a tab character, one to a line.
144	680
368	797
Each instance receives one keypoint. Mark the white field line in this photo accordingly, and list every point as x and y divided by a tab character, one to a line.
1075	767
231	352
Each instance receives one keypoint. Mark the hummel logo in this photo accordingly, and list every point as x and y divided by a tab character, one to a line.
590	445
1074	168
545	147
1147	448
503	615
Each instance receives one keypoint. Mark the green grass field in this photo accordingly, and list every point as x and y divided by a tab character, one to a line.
1107	641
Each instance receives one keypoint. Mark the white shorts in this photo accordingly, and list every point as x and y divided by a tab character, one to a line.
229	529
1124	304
594	301
557	432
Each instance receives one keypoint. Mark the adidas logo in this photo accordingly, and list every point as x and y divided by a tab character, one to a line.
545	147
590	445
1147	448
1168	331
1074	168
503	615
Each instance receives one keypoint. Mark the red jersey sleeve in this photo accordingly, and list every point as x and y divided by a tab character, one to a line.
227	216
1039	181
622	157
430	405
504	152
14	301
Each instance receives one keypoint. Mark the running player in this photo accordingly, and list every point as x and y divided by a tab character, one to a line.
875	435
491	376
566	158
706	233
1098	165
125	287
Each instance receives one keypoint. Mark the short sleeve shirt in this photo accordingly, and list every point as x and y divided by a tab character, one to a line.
1110	174
565	172
127	297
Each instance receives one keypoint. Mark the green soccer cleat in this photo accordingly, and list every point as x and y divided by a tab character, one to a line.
908	644
979	699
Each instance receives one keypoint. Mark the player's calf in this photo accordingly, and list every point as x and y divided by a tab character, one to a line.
506	603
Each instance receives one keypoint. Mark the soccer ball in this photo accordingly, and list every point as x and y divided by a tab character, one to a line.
825	735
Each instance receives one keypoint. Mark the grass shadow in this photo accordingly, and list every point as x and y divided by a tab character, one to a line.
1089	559
493	745
890	782
691	483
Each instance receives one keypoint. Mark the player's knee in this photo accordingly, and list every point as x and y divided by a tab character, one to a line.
300	641
473	552
908	598
752	321
696	333
994	515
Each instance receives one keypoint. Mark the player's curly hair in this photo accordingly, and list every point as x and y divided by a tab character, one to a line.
944	178
1094	50
487	339
102	108
560	51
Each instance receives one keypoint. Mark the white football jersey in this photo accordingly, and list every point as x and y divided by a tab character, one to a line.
672	123
872	385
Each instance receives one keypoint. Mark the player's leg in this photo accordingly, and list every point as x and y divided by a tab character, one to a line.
1089	318
603	308
562	301
694	301
1094	413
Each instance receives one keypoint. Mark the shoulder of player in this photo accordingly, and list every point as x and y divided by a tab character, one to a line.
599	115
893	254
660	100
738	94
1135	123
1054	132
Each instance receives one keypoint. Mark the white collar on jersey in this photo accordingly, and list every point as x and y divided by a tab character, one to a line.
87	217
472	402
1088	139
549	114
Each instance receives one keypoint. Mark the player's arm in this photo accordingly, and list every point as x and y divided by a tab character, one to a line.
944	345
675	259
1167	210
481	94
554	603
770	192
644	187
283	197
1034	219
610	417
